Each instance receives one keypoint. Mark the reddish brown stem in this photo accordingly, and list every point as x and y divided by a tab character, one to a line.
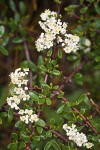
28	59
46	78
61	137
82	116
67	79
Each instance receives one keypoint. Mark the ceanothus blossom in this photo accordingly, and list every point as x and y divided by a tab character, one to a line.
28	116
20	93
55	30
79	138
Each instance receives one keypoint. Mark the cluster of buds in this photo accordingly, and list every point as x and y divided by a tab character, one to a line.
55	29
79	138
19	94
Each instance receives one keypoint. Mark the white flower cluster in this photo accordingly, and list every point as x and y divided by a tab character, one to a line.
28	116
79	138
20	93
55	29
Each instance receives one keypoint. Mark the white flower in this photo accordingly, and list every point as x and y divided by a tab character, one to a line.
87	42
45	41
65	126
89	145
26	88
34	118
18	78
21	112
79	138
22	118
55	29
26	119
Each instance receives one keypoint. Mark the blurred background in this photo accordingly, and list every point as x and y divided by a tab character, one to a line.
20	20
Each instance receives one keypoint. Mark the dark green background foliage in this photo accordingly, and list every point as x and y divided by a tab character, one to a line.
19	24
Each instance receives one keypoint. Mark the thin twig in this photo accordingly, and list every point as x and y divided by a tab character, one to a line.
46	78
61	137
97	107
28	59
82	116
67	79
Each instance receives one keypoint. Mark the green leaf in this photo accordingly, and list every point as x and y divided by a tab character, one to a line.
22	145
59	53
3	114
49	66
55	72
84	10
46	90
78	79
72	58
3	50
49	53
41	123
52	121
36	138
61	94
40	60
96	123
18	124
41	101
5	41
48	101
49	134
60	109
24	136
14	136
82	98
12	5
16	17
0	120
95	138
39	130
97	59
43	68
57	1
55	145
32	66
17	40
47	146
78	76
97	8
2	30
10	115
22	7
34	96
12	146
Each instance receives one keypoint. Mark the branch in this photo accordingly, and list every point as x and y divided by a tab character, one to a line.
76	110
67	79
76	16
27	146
97	107
61	137
46	77
28	59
